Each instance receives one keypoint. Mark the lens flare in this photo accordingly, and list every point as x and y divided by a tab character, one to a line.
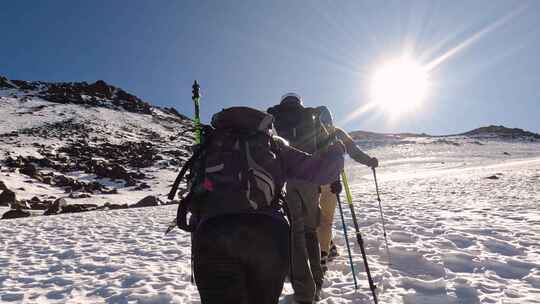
399	86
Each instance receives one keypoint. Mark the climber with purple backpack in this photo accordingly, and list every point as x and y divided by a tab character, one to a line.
235	208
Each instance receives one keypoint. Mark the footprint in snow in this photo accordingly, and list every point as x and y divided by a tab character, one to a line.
402	237
414	264
501	247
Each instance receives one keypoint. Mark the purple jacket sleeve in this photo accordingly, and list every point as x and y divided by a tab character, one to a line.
319	169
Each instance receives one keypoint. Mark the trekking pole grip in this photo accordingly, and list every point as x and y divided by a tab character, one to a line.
196	100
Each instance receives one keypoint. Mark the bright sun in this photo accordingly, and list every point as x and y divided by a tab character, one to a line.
399	86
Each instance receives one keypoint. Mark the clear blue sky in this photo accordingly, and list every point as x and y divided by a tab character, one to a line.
251	52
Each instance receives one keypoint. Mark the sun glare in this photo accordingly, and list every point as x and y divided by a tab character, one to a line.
399	86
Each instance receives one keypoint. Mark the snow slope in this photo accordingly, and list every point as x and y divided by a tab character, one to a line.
64	133
455	237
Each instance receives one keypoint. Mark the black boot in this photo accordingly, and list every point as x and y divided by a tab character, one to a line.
324	261
333	251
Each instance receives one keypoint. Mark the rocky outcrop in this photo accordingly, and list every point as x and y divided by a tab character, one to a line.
17	213
109	206
85	151
74	208
7	197
55	207
6	84
98	93
26	166
28	169
502	132
36	204
148	201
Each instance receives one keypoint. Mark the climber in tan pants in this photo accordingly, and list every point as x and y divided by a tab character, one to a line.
328	199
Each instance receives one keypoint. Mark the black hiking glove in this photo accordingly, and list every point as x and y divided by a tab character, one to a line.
373	163
336	187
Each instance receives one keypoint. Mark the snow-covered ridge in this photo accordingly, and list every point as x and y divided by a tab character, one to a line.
502	132
86	143
474	137
489	132
95	94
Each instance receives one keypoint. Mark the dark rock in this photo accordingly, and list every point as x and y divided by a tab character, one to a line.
28	169
46	179
18	205
25	85
39	206
79	195
506	153
92	187
74	208
142	186
138	175
55	207
11	214
62	181
110	206
103	169
101	94
7	197
11	162
35	204
492	177
6	84
2	186
109	191
148	201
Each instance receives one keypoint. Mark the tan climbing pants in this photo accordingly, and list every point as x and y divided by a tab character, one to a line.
328	202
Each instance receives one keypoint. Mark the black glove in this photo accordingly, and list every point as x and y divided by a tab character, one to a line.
373	163
336	187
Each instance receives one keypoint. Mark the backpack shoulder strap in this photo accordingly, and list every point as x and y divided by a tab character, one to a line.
180	176
198	151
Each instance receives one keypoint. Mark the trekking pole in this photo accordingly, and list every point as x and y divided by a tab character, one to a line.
347	241
382	216
196	100
196	97
359	238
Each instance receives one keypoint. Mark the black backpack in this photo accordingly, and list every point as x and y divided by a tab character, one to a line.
235	169
297	124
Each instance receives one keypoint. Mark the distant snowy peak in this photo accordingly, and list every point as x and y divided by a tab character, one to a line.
502	132
489	132
97	94
372	135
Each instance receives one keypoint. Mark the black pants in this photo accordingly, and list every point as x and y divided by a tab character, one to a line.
241	259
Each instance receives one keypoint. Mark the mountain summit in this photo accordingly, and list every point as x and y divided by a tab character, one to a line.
501	132
98	93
